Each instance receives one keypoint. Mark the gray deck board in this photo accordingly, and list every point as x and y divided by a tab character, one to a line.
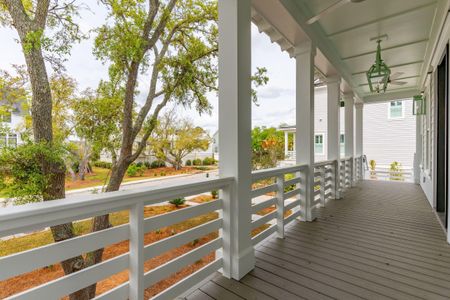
381	241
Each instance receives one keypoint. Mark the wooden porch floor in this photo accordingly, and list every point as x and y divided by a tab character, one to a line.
381	241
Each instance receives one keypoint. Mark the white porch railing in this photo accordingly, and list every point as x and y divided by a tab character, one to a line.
385	173
42	215
282	190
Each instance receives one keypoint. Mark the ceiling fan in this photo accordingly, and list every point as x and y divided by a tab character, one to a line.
393	79
330	9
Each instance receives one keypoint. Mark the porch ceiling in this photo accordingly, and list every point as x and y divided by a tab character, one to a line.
343	37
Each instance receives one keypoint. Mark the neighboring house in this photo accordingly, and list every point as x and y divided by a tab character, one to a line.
14	122
320	129
389	132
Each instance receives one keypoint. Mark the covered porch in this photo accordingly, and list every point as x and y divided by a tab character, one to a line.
382	241
314	230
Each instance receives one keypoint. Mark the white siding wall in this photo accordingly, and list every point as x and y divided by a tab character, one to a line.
387	140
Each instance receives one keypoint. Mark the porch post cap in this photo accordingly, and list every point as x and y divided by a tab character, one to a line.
304	48
333	79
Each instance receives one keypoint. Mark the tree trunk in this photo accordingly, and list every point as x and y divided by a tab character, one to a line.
102	222
41	111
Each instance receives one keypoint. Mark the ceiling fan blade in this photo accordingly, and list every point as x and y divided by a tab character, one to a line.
396	75
327	11
398	82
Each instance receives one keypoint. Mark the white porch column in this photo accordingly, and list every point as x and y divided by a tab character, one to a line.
349	131
334	129
286	144
304	134
235	133
359	107
418	153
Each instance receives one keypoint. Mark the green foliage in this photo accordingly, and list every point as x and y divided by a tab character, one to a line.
286	178
396	171
135	170
267	147
188	162
157	164
208	161
102	164
147	164
202	168
197	162
177	201
176	138
21	175
54	35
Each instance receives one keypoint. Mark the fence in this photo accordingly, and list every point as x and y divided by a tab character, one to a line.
278	197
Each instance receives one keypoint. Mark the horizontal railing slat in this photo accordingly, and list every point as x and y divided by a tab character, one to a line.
292	205
120	292
176	264
263	204
180	239
292	217
189	281
267	173
292	181
291	193
73	282
264	190
264	234
30	260
29	217
264	219
180	215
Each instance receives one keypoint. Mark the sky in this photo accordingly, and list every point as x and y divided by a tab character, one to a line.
276	99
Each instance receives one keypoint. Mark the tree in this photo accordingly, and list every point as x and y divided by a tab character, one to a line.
267	147
14	95
172	46
46	32
173	139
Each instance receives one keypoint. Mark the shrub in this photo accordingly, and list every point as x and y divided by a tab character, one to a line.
208	161
139	164
197	162
135	170
147	164
202	168
395	171
177	201
188	162
102	164
157	164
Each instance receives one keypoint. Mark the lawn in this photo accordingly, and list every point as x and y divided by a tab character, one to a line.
100	175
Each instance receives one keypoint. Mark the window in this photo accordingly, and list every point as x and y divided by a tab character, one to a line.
318	144
5	117
396	110
12	140
342	143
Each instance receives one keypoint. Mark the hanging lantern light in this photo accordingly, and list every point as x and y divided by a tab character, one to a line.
378	74
419	105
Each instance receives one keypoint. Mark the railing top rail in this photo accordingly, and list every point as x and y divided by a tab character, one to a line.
62	210
324	163
265	173
346	158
